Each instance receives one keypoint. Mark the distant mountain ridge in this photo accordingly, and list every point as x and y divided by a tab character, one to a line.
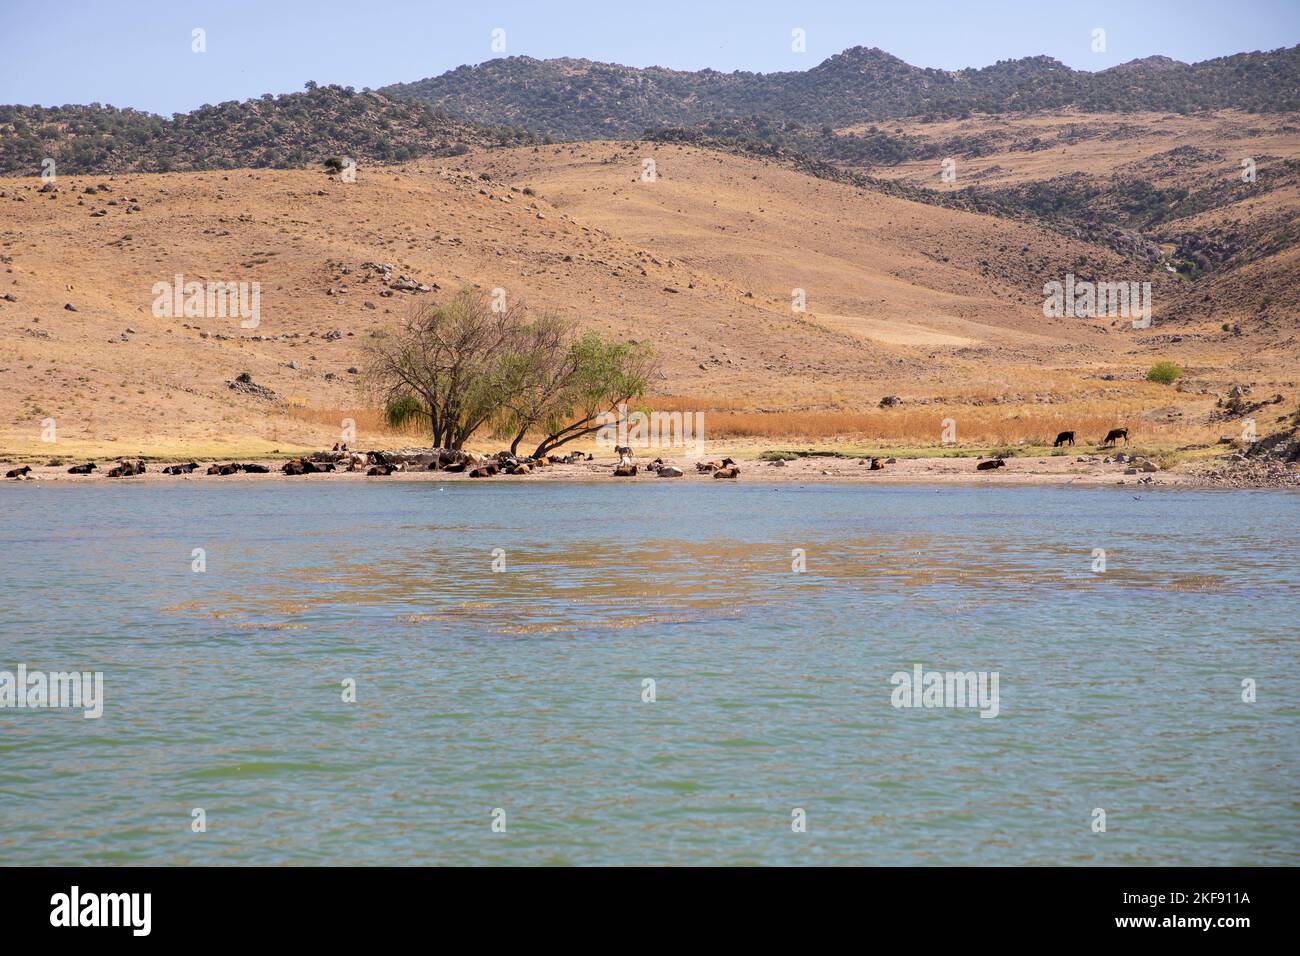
582	99
521	100
293	130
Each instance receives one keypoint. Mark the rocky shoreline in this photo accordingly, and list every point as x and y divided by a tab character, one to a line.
432	464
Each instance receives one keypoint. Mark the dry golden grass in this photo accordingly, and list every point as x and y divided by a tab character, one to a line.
977	420
918	426
367	421
925	426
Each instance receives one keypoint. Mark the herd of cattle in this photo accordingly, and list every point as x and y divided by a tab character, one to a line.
379	463
339	459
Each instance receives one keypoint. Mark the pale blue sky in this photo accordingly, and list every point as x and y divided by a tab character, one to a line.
137	52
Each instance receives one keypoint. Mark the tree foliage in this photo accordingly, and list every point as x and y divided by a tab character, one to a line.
464	364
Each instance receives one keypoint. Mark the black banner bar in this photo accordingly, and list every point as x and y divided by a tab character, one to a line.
334	905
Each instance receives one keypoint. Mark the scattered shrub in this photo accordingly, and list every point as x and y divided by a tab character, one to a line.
1165	372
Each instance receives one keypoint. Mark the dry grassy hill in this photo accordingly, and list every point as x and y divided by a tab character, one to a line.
940	307
1174	180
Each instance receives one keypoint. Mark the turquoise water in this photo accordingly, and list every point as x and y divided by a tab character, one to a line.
522	690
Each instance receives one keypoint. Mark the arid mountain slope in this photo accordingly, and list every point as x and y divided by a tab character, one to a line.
1219	193
903	298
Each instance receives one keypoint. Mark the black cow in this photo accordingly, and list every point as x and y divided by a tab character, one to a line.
1063	438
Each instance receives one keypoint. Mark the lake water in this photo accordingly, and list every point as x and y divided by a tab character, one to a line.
522	690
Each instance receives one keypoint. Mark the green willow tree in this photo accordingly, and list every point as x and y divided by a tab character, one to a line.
463	365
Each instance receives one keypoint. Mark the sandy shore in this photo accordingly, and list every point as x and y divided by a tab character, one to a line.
1054	470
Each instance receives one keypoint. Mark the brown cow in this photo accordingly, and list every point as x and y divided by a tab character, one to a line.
706	466
296	466
731	472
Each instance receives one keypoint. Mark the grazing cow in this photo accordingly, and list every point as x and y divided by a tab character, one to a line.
1063	438
730	472
990	464
1115	434
19	472
625	471
85	469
